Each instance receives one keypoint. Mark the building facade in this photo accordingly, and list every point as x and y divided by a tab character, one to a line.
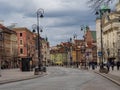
45	51
58	56
26	46
91	46
110	35
9	54
111	29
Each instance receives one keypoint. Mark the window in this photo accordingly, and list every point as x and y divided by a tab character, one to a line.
21	51
20	34
21	42
1	36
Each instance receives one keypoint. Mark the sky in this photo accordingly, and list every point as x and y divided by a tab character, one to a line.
62	18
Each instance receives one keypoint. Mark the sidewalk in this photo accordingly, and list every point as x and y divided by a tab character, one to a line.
14	75
113	75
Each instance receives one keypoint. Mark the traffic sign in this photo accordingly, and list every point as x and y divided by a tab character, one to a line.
99	53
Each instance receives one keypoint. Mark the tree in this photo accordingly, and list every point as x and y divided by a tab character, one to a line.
96	4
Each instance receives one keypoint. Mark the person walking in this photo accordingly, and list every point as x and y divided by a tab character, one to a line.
112	65
89	64
108	66
93	66
118	65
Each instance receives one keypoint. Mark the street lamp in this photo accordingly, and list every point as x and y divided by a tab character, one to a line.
70	51
1	40
101	12
76	49
108	52
40	13
84	28
66	50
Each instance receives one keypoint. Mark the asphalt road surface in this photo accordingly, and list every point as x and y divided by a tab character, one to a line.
60	78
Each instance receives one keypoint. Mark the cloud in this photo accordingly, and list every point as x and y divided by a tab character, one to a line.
62	18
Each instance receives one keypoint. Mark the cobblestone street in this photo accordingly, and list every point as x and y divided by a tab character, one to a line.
60	78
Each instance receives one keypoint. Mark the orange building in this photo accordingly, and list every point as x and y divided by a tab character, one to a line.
76	51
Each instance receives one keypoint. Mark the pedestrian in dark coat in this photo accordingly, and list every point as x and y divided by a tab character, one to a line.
118	65
93	65
108	66
112	65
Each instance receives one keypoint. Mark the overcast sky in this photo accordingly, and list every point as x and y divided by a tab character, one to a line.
62	18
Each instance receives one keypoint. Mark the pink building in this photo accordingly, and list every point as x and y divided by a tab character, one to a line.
26	45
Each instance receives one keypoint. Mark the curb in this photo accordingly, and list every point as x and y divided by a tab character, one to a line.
21	79
104	75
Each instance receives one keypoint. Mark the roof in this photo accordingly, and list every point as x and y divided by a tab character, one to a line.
22	29
105	7
5	29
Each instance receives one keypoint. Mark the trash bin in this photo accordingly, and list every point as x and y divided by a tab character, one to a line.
36	72
44	69
40	69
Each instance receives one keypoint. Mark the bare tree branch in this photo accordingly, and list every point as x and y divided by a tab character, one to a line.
96	4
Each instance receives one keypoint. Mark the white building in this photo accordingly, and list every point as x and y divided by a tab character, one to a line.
110	35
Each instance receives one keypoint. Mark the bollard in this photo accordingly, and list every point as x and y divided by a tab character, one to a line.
104	70
44	69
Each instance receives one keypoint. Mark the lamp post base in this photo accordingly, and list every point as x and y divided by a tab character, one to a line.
103	70
36	72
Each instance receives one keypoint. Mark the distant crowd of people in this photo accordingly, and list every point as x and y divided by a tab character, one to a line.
112	64
108	65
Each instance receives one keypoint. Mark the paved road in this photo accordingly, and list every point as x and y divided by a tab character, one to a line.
60	78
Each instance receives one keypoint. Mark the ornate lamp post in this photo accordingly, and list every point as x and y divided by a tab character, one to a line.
76	49
1	40
108	52
40	13
84	28
101	12
70	48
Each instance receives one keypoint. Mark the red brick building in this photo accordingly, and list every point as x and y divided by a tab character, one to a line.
91	46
